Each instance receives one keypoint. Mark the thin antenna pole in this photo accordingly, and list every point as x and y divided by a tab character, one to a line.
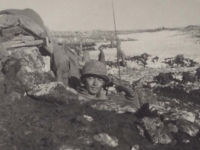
114	19
119	72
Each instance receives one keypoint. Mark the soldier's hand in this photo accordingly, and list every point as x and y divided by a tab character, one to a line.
126	90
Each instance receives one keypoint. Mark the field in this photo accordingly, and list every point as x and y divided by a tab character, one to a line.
163	44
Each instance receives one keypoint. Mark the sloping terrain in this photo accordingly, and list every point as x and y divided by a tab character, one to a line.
38	113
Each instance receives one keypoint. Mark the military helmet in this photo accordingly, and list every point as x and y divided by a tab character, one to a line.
96	68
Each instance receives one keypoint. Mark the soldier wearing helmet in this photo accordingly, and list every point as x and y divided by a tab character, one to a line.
94	78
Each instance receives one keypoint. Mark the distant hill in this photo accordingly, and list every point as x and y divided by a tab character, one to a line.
192	28
108	35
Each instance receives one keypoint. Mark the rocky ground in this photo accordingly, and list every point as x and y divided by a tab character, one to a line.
38	113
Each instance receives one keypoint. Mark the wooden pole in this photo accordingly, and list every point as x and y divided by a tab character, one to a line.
119	71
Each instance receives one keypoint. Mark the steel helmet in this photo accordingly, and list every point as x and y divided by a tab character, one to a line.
95	67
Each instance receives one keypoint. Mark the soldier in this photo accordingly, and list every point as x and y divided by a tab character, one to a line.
120	53
65	65
94	78
60	62
102	55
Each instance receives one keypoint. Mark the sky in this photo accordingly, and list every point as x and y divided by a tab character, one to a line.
82	15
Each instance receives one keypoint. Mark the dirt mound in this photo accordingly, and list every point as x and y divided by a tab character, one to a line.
29	124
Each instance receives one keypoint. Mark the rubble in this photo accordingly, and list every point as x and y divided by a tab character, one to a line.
136	147
190	128
186	141
156	131
64	147
88	118
179	114
106	139
172	128
147	61
113	105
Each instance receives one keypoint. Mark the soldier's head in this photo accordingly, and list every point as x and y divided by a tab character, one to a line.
101	48
94	76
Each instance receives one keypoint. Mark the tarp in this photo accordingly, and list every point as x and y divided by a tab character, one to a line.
29	20
28	13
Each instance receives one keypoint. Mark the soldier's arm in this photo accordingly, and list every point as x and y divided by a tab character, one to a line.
129	94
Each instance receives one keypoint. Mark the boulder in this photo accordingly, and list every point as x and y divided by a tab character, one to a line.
157	110
54	92
188	127
68	147
156	131
164	78
172	128
30	80
119	106
105	139
25	68
31	58
135	147
145	95
186	141
18	77
180	114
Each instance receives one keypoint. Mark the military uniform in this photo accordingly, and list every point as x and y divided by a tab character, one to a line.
97	68
65	66
120	53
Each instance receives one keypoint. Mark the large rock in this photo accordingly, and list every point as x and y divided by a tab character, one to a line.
188	127
172	128
119	106
105	139
157	110
19	78
156	131
180	114
25	68
54	92
31	58
145	96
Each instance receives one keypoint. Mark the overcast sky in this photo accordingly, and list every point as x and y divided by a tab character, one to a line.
70	15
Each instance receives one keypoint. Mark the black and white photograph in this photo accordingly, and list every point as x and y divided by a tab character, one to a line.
99	75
